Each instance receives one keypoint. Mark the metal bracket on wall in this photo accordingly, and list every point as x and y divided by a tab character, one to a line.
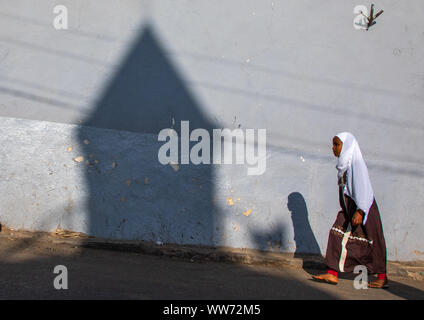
372	17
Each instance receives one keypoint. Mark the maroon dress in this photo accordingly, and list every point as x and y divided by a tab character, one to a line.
361	245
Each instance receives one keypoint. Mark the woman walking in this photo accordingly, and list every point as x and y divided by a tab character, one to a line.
356	237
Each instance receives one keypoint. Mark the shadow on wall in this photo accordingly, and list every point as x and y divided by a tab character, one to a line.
306	245
132	195
272	240
303	234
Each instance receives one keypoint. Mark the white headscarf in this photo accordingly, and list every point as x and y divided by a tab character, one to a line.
358	185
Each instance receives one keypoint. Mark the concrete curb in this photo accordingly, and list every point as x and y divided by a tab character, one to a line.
412	270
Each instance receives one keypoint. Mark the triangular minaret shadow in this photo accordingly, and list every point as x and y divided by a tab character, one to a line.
147	93
132	195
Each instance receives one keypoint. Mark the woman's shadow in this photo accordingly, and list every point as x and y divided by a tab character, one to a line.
307	247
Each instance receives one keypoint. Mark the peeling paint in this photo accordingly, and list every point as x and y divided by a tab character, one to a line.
78	159
248	212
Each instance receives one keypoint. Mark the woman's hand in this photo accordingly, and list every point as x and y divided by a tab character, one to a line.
357	218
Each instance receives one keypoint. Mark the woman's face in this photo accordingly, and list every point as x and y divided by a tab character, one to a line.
337	146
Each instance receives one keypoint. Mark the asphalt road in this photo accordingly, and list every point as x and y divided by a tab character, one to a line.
26	272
